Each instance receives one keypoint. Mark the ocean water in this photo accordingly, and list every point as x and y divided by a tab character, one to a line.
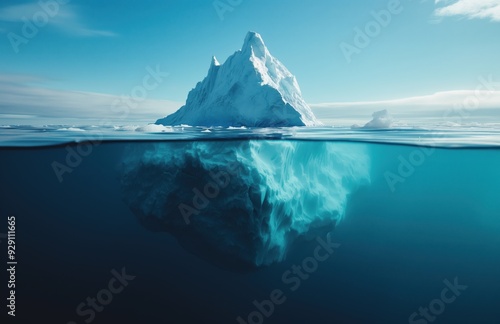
399	226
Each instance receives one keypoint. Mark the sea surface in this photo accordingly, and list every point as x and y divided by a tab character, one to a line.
408	231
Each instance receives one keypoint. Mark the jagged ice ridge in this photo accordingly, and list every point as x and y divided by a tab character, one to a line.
252	88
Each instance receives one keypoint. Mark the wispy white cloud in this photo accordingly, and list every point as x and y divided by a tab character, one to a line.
446	106
438	99
15	13
94	32
65	17
18	78
471	9
25	97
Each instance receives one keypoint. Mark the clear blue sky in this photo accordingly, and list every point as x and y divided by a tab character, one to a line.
105	46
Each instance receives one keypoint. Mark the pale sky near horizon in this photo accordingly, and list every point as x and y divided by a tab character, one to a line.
75	59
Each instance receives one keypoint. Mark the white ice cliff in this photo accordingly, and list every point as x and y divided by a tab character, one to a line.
242	203
252	88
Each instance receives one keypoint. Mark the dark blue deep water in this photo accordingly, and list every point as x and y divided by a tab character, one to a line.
424	250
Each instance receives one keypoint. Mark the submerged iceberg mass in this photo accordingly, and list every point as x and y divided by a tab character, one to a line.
252	88
242	203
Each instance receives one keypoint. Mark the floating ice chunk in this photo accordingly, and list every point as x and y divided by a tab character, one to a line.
153	128
381	119
71	129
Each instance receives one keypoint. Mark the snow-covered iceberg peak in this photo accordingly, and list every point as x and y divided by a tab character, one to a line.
254	42
252	88
215	64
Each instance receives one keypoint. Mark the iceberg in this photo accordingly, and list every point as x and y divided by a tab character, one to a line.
252	88
381	119
242	204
